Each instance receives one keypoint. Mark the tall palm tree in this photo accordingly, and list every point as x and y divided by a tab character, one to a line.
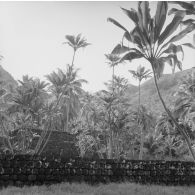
140	74
76	42
154	41
74	90
113	60
67	87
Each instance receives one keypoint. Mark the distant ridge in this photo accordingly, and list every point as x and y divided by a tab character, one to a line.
6	79
168	85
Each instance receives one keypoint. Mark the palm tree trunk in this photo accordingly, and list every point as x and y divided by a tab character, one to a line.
113	80
110	154
182	131
141	129
73	57
67	113
139	96
141	144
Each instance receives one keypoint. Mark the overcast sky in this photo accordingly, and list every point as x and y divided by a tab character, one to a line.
32	33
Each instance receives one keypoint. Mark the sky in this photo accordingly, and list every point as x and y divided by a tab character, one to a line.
32	33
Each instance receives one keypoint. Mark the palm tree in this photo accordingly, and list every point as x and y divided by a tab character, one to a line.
74	90
29	98
68	89
155	44
64	86
76	42
140	74
58	81
115	113
113	60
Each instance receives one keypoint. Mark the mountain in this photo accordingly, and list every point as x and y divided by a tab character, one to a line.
6	79
168	85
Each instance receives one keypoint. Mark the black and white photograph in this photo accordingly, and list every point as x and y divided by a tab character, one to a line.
97	97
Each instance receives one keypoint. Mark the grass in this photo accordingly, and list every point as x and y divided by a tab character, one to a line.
109	189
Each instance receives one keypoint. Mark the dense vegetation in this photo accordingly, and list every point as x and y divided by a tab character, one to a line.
109	123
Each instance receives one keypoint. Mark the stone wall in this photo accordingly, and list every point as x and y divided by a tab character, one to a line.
38	170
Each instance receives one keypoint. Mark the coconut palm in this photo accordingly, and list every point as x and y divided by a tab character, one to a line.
154	41
76	42
58	81
74	91
140	74
68	89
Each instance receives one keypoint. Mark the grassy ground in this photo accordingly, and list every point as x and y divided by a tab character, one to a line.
110	189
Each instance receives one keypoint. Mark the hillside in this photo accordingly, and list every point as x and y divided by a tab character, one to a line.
6	79
168	85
